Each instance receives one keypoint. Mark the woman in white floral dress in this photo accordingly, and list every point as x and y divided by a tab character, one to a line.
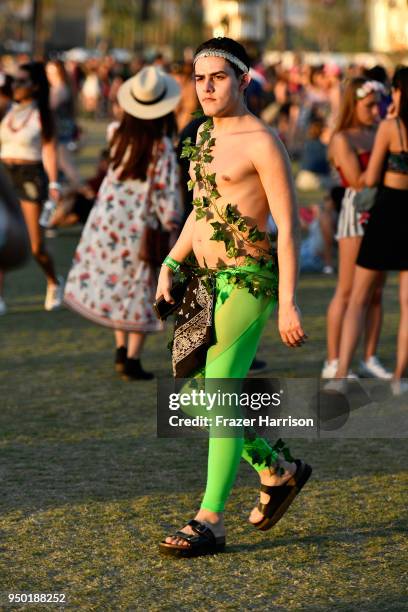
108	283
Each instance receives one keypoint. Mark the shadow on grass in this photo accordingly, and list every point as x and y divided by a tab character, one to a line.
330	538
391	603
108	463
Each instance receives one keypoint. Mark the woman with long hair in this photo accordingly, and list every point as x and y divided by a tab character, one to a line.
108	282
349	151
29	154
6	100
384	246
62	103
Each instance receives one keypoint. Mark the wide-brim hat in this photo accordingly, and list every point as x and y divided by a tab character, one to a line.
150	94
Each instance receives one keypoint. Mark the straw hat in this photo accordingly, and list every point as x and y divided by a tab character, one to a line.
149	94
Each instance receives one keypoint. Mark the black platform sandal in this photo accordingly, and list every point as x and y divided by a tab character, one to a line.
202	542
282	496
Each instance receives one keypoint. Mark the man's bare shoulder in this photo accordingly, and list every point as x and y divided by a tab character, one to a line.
264	142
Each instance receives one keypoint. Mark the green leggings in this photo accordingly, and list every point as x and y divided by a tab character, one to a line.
238	322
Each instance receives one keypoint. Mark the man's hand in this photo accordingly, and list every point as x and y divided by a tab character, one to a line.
164	284
290	326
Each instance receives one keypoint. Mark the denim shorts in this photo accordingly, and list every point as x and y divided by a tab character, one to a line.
29	181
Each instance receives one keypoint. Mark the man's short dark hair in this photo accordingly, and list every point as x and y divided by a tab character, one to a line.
231	46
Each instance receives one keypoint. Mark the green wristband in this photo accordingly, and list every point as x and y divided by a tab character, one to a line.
171	263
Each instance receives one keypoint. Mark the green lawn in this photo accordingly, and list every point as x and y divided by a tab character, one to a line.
87	490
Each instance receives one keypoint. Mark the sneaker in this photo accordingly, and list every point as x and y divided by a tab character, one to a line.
258	365
133	371
339	385
54	295
330	370
120	359
3	307
398	387
373	368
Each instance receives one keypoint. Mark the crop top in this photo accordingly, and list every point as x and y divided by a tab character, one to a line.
363	158
398	162
21	133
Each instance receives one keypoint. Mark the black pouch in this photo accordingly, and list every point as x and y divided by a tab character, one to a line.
164	309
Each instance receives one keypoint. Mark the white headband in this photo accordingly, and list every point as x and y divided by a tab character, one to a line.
225	54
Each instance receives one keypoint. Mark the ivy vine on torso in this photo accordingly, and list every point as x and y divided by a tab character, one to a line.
230	227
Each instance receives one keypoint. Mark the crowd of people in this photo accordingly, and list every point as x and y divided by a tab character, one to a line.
330	120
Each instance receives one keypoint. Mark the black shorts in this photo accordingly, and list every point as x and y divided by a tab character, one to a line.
29	181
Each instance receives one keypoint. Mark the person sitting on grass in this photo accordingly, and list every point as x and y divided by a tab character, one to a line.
78	204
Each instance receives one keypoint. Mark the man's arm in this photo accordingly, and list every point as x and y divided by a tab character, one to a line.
184	244
273	166
179	252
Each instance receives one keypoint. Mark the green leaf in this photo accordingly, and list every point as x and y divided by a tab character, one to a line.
233	251
217	225
241	225
231	214
208	124
191	185
204	136
255	235
197	171
256	456
185	152
200	213
198	113
218	236
211	179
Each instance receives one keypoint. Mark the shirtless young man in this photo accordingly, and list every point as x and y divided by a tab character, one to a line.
253	172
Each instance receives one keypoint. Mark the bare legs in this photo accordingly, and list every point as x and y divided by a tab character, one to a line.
31	214
134	342
327	230
365	284
402	342
374	317
348	251
361	296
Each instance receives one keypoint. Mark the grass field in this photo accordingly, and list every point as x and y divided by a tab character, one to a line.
87	489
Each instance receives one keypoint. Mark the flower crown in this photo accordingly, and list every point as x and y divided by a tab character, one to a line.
369	87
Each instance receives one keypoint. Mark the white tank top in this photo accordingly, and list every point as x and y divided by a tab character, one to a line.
21	133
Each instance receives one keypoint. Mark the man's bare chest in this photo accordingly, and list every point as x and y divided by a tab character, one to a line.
231	166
